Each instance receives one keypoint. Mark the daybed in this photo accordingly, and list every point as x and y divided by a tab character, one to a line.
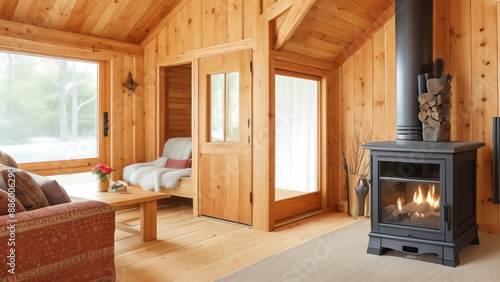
160	175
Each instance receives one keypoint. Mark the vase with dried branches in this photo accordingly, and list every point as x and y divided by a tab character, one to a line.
356	166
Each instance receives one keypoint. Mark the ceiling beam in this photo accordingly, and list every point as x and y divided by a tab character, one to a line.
279	8
296	14
68	39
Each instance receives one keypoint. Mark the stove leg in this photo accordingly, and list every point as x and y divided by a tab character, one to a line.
451	262
375	247
475	241
450	256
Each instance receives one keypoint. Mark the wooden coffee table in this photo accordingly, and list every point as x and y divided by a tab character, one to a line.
133	195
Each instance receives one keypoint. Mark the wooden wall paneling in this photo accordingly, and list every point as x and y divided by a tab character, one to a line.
109	15
138	111
220	29
334	124
8	9
484	71
347	100
366	34
302	60
442	32
379	85
298	68
186	32
353	6
248	19
174	35
326	28
149	20
363	89
152	34
234	20
163	103
94	12
295	47
127	113
116	119
390	80
179	101
208	23
337	10
196	22
460	68
163	43
332	20
150	53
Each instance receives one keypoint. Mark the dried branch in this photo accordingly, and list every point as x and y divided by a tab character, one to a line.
352	157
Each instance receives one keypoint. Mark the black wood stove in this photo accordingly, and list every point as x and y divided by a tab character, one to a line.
423	197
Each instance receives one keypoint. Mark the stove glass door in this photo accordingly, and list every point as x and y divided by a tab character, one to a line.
410	194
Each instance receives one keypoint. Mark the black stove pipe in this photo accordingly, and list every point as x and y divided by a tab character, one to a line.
414	22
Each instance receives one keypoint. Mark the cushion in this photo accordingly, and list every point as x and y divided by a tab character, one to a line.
179	164
5	201
7	160
54	193
27	191
178	148
189	164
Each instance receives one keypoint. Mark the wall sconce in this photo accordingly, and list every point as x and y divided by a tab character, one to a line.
130	84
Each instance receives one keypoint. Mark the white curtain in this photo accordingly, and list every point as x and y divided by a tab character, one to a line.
296	134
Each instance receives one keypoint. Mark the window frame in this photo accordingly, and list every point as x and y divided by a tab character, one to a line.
78	165
320	82
225	106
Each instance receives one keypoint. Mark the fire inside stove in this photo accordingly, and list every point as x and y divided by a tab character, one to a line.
414	204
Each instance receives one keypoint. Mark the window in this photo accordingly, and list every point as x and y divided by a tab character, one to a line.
224	107
49	109
296	129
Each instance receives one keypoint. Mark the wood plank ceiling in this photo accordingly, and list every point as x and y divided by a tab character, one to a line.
331	26
123	20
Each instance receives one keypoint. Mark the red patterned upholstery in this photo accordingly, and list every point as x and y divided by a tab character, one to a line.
67	242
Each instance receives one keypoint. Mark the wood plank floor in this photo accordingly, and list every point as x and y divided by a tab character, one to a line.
190	248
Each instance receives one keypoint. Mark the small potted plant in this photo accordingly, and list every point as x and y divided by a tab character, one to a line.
103	172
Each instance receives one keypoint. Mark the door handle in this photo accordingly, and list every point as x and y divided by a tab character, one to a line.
447	216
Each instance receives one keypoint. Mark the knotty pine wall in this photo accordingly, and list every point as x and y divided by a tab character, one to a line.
198	24
125	144
179	101
466	35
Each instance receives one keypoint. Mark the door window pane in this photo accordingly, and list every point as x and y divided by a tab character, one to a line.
233	103
49	109
217	107
224	107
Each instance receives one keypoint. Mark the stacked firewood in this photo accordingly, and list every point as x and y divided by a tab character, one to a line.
434	102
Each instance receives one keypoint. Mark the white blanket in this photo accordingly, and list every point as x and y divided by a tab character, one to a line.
153	175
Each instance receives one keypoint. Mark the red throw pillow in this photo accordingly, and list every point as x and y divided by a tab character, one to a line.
179	164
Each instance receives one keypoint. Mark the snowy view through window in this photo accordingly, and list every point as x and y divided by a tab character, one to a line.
48	109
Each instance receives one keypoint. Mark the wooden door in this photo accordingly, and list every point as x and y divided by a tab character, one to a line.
225	166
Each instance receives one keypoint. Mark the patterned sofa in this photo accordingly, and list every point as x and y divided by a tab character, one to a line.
67	242
46	237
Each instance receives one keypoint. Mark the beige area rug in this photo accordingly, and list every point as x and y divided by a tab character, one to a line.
341	256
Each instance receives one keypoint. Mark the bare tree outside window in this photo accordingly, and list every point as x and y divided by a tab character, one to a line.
48	109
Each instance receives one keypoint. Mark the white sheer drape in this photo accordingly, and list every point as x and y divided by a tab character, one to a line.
296	134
